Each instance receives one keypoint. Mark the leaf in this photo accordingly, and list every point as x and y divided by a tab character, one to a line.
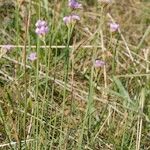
122	90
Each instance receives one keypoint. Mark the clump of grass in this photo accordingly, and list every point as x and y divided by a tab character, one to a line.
84	84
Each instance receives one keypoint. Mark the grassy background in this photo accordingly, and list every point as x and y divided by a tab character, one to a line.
61	101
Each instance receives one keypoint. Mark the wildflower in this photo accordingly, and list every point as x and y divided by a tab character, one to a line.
99	63
74	4
32	56
40	23
7	47
114	27
42	31
70	19
41	27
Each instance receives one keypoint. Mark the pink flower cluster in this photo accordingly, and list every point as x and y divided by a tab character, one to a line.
99	63
32	56
74	4
41	27
73	17
114	27
7	47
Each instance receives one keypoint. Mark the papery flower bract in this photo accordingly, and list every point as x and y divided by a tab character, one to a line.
74	4
70	19
32	56
41	27
114	27
99	63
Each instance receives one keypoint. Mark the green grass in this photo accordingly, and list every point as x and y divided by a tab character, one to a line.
61	101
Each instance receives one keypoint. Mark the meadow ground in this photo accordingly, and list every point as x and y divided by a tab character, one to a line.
76	83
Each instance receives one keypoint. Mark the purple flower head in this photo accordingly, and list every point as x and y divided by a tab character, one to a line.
46	29
41	27
32	56
99	63
74	4
40	23
7	47
38	31
43	30
114	27
70	19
